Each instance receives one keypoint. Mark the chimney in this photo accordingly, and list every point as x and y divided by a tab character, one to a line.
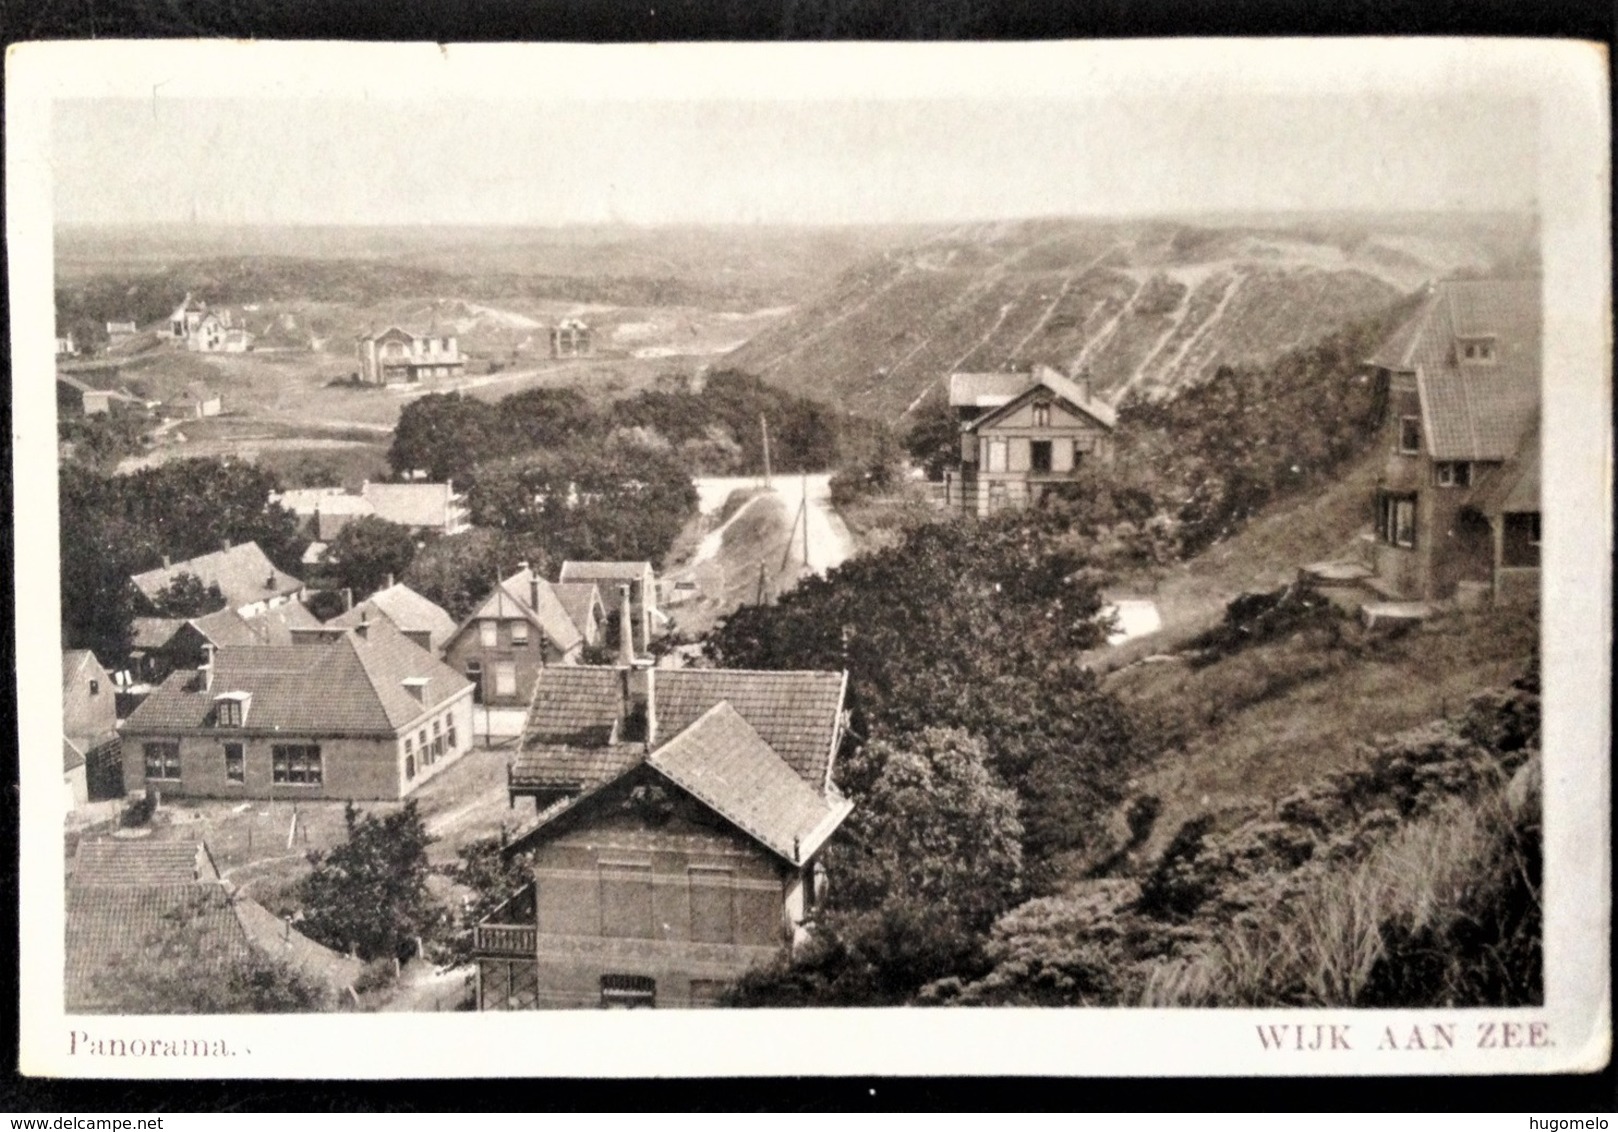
533	591
365	615
651	708
417	687
224	544
389	586
348	599
205	670
626	631
269	582
166	562
363	630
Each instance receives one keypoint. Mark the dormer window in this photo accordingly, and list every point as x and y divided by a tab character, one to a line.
230	709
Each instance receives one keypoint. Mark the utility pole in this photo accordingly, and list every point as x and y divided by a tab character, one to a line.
804	510
764	427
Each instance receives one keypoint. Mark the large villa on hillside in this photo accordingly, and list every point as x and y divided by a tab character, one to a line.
1457	504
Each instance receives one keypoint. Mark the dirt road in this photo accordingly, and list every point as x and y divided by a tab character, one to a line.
830	544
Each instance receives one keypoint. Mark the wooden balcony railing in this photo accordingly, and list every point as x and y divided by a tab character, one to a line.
505	939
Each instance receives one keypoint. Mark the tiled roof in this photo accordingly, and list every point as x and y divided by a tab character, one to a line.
226	627
1473	411
123	862
241	573
995	392
578	598
985	390
274	626
1514	486
796	713
724	763
407	609
113	932
604	571
511	599
411	504
576	768
351	686
155	632
305	501
574	704
73	660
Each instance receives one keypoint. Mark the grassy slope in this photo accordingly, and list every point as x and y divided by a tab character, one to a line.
1258	724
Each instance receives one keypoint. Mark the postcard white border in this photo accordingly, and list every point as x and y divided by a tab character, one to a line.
1569	82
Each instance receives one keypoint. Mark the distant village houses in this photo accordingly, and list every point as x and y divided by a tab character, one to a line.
202	330
195	402
118	331
1457	503
1021	435
66	347
423	622
398	356
572	338
89	723
611	578
76	397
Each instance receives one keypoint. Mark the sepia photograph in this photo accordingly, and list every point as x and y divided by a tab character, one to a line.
1107	541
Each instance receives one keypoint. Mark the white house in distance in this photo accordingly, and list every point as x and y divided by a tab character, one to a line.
397	356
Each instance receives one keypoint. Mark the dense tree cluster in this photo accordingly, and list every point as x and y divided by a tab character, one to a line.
368	896
980	748
369	551
113	527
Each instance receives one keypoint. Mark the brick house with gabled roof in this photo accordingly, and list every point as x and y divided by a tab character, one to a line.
1457	503
359	713
1021	435
681	817
519	629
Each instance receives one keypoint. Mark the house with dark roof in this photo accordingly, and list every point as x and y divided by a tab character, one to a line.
572	338
423	621
610	578
360	713
1023	434
244	574
519	629
123	897
89	723
163	644
681	815
1457	503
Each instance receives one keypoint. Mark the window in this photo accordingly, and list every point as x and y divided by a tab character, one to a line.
627	992
421	745
712	913
474	673
1396	520
1409	434
1039	456
490	631
626	900
298	764
235	763
997	456
163	761
227	711
1453	473
1042	414
95	687
505	678
410	762
519	632
449	733
438	741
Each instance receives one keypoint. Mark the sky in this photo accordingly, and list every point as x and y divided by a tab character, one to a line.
555	159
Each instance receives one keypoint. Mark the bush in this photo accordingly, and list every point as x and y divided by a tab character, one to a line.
368	896
376	974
